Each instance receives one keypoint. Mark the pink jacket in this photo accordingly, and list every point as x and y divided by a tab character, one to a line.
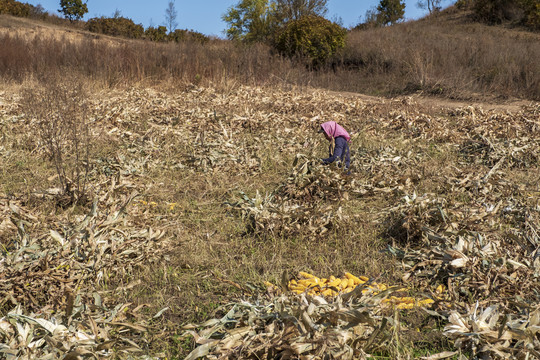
333	129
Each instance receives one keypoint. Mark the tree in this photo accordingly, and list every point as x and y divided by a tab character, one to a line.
431	5
311	37
170	17
73	9
259	20
296	9
251	20
390	11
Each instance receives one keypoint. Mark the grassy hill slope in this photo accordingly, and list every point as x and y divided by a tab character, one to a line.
446	55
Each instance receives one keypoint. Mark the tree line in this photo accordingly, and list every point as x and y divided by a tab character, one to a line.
116	25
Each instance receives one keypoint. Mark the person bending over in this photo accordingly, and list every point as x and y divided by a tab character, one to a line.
339	144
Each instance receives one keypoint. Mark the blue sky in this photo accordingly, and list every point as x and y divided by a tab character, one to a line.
205	15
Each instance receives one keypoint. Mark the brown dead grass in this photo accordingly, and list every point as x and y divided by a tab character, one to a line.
29	30
447	56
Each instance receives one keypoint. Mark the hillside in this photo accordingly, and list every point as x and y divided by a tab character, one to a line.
447	55
29	29
172	206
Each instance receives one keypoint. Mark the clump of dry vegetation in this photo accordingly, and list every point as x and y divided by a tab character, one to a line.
148	211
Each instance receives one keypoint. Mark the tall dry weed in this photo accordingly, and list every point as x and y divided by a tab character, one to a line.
449	58
60	111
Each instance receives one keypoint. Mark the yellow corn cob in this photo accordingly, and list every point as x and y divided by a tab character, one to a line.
334	283
406	299
297	285
309	282
344	283
306	275
354	278
268	284
297	288
351	283
327	292
293	282
363	278
404	306
332	278
425	302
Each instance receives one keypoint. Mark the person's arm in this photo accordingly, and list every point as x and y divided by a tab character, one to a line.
340	147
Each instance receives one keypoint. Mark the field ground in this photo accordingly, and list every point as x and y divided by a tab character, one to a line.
178	221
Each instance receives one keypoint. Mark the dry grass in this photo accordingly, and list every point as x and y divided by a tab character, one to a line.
445	55
176	124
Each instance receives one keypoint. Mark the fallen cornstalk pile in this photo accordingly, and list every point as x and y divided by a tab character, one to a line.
296	327
343	318
50	282
308	201
455	197
61	275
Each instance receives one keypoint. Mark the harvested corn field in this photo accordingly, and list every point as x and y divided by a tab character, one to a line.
201	223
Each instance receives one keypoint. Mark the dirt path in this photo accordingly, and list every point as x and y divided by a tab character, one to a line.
505	105
431	103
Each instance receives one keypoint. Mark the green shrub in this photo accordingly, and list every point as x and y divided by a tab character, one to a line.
156	34
188	35
117	26
15	8
532	13
312	37
526	12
